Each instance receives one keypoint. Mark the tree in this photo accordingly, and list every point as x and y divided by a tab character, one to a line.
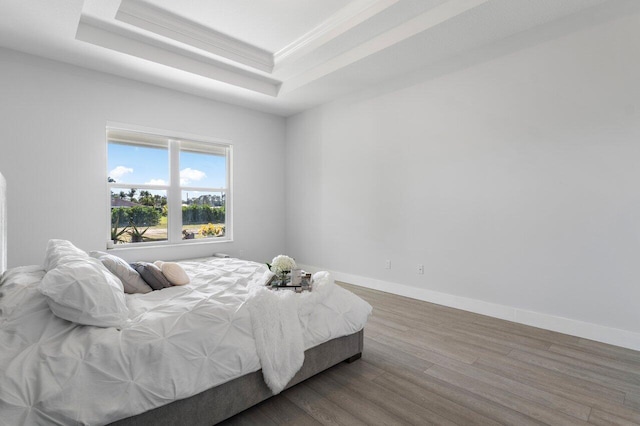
132	193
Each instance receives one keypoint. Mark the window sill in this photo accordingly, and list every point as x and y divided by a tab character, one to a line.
164	245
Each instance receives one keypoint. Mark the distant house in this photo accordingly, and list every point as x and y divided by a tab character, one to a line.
121	202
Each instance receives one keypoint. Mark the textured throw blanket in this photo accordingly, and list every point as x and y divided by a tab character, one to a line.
276	317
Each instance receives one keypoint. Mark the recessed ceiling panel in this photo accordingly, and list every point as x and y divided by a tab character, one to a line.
267	24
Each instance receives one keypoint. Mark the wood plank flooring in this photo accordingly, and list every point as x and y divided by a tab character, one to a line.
427	364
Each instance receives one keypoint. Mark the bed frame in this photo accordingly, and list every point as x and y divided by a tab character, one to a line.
221	402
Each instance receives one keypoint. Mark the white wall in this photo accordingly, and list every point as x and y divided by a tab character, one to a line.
515	182
53	155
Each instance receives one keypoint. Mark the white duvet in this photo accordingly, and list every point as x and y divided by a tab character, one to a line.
178	342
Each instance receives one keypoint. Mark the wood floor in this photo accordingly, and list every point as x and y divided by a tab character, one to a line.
427	364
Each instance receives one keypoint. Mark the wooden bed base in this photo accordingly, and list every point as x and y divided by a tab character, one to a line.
221	402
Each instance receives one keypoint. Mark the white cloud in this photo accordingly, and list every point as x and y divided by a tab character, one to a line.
189	175
119	171
156	182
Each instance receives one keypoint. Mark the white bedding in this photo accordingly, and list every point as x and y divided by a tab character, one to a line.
178	342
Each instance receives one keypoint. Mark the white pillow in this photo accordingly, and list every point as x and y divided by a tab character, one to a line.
85	292
174	273
61	251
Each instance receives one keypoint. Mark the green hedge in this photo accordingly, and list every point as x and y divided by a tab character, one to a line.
149	216
196	214
139	215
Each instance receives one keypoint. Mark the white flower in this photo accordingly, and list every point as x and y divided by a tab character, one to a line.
282	263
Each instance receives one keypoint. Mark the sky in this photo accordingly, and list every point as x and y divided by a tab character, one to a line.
148	165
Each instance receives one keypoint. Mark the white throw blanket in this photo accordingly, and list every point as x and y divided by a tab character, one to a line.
276	317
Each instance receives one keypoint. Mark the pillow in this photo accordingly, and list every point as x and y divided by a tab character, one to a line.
151	274
174	273
131	279
61	251
85	292
158	263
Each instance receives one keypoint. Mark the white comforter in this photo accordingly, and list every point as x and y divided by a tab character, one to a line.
180	341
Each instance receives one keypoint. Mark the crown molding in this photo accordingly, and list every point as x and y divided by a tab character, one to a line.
121	39
337	24
423	22
159	21
156	21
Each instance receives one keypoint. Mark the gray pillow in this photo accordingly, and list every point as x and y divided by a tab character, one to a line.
131	280
152	275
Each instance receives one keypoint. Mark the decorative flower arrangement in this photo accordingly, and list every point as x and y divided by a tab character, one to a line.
281	265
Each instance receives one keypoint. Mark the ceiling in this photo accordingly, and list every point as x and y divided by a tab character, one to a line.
284	56
268	24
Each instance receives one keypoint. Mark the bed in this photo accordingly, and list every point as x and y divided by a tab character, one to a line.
186	356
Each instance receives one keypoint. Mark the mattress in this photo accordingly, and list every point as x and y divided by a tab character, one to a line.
178	342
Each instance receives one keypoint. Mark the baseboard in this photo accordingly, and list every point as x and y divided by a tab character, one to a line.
600	333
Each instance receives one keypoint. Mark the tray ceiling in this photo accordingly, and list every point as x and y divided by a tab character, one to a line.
267	24
283	56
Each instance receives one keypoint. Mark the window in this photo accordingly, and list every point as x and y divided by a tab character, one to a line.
167	189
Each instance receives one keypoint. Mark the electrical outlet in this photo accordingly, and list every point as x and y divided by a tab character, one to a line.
421	269
387	264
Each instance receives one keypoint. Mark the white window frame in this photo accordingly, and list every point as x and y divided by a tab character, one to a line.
136	135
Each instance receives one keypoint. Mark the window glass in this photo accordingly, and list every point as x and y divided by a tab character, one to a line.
138	215
141	164
202	170
203	214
